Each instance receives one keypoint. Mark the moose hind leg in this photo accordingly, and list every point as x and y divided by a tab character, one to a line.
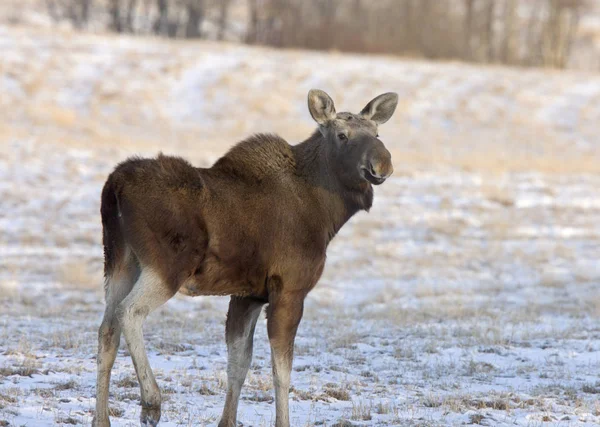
118	285
239	331
148	293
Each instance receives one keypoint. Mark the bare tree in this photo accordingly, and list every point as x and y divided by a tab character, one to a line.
85	12
563	16
252	31
508	52
75	11
129	24
223	15
488	31
161	25
468	29
114	11
195	16
517	32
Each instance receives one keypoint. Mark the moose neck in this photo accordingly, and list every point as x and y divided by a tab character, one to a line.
316	163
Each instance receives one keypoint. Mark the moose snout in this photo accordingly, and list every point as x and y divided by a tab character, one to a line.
378	167
381	169
376	171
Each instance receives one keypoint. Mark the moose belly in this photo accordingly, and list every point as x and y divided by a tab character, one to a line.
231	276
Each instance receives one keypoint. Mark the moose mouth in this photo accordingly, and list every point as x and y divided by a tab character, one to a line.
370	176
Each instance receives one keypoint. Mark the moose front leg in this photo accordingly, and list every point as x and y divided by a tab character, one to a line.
241	321
283	317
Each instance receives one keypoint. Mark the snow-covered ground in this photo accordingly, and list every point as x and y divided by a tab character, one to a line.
469	294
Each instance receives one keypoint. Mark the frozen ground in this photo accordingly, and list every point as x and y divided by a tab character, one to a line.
469	294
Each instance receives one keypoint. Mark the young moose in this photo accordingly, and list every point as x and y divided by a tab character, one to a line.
255	226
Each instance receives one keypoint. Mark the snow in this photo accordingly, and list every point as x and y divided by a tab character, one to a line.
464	296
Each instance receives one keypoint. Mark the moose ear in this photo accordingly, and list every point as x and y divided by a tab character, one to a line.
381	108
320	106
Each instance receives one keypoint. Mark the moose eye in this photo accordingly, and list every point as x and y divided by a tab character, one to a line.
342	137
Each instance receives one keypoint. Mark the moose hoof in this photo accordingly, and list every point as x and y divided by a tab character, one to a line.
150	417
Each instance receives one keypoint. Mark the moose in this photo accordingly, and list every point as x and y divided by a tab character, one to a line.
255	226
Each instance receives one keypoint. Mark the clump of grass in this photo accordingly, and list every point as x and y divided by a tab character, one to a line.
476	418
168	347
46	393
370	375
383	408
27	368
260	382
69	385
431	402
474	368
66	340
205	390
128	396
337	368
303	395
115	412
6	399
499	403
336	392
499	195
127	381
361	411
591	388
261	397
67	420
404	353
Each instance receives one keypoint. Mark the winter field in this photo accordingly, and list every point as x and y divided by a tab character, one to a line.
468	295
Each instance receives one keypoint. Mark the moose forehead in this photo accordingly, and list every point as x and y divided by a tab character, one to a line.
354	122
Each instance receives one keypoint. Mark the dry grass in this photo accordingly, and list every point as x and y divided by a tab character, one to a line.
24	368
336	392
80	275
361	411
127	381
138	119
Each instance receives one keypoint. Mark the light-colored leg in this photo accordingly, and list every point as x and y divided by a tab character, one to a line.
239	331
284	315
109	337
148	293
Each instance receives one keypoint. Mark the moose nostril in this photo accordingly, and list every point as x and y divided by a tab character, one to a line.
380	171
377	171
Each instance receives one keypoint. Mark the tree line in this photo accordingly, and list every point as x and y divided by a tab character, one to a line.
515	32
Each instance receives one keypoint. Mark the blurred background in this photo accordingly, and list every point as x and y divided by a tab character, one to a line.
469	294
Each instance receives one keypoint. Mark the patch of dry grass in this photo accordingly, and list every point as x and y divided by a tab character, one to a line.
361	411
25	368
127	381
336	392
81	275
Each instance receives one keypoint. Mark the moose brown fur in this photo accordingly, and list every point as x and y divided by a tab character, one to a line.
255	226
